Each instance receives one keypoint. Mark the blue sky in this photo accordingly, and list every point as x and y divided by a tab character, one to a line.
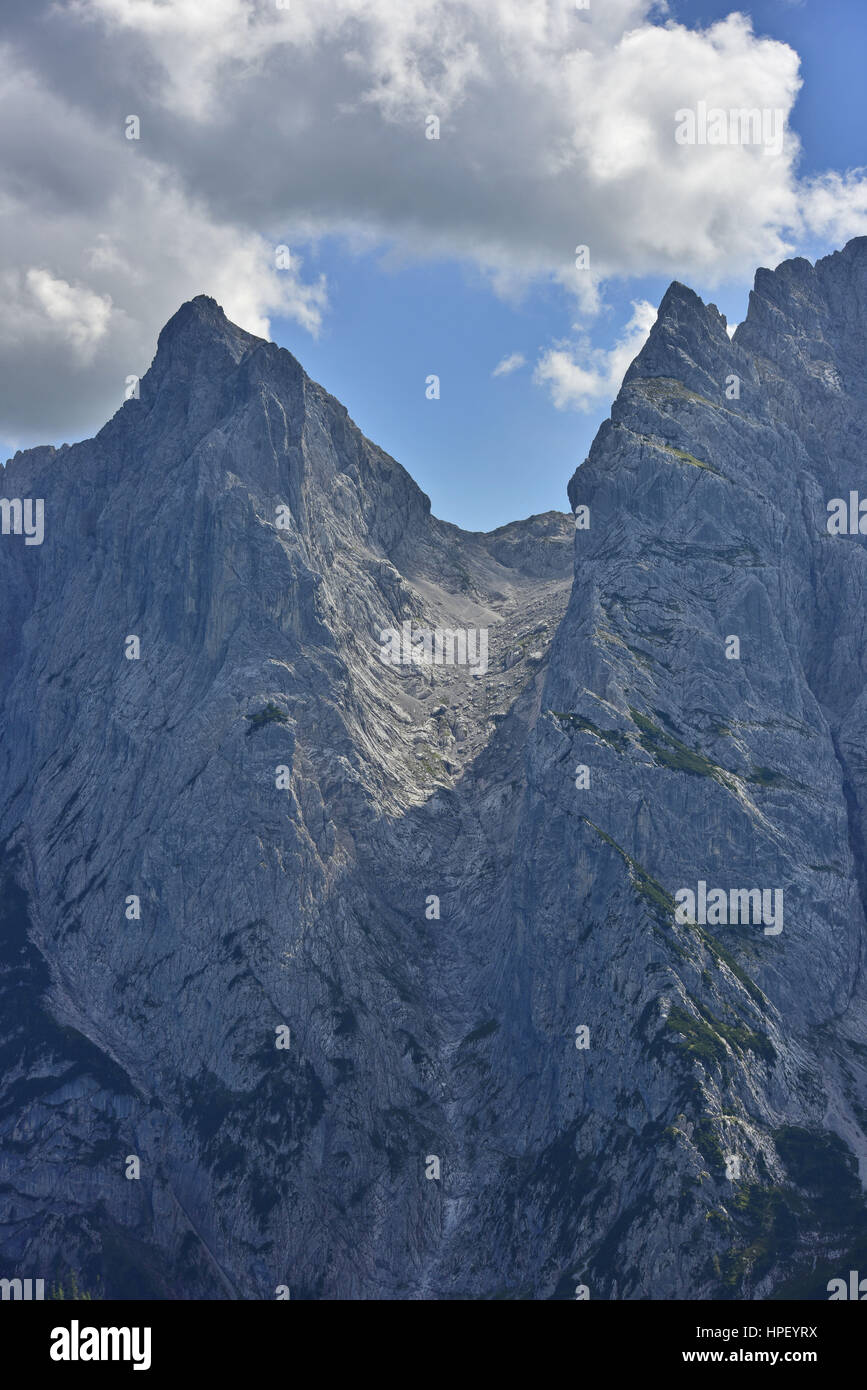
491	450
408	258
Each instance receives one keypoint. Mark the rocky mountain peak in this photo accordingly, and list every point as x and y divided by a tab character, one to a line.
686	341
287	921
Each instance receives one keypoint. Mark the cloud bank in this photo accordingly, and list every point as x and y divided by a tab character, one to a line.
263	125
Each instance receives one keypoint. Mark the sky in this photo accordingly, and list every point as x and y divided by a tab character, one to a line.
281	161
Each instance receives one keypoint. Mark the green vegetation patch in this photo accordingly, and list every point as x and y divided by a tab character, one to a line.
271	714
668	751
669	388
686	457
71	1290
646	886
431	764
720	954
613	737
704	1137
706	1037
682	455
767	1220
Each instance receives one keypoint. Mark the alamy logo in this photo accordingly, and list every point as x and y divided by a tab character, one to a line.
848	519
23	517
76	1343
856	1288
740	126
737	907
434	646
22	1288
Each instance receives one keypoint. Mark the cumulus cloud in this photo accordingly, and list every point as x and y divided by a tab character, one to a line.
262	126
509	364
835	205
579	376
77	315
100	245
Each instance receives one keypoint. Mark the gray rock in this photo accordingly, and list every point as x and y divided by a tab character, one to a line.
434	931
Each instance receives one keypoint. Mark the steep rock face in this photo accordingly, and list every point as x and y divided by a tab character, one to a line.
428	901
237	523
708	1140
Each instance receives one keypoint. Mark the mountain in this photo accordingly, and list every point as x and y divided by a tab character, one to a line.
427	981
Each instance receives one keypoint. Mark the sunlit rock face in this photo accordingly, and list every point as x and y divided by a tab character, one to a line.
333	971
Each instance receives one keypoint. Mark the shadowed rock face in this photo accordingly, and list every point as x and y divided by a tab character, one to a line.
706	1142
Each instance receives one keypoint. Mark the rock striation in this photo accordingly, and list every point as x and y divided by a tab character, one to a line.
389	975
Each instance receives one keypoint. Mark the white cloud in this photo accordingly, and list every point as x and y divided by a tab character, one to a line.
90	276
262	125
80	316
509	364
578	376
835	205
